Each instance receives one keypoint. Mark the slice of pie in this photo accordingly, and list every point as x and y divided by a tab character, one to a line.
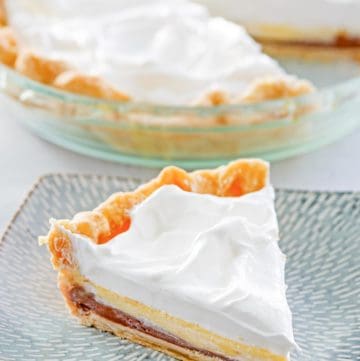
162	52
187	264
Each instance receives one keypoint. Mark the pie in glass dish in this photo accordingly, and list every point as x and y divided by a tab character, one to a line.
171	53
187	264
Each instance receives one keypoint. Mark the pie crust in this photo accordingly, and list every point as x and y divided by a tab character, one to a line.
111	217
174	336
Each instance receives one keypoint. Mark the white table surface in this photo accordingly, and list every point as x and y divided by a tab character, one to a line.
24	157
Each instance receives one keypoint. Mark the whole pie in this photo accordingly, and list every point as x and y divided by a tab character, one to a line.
162	52
188	264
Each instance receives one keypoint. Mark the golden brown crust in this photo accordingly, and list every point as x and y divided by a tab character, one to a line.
215	97
111	217
88	85
3	18
8	46
263	89
272	88
39	68
49	71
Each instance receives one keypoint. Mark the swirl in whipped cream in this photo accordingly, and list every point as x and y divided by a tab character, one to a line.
169	52
211	260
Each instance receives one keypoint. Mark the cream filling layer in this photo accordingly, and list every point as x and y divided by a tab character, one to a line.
209	260
170	52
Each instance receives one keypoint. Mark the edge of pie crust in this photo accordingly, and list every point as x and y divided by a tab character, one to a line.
111	217
59	75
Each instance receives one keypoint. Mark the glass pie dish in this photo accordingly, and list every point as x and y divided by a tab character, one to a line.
191	136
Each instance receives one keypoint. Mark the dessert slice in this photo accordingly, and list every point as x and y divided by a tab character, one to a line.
187	264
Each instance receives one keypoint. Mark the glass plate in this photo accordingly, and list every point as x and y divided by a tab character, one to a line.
319	234
191	136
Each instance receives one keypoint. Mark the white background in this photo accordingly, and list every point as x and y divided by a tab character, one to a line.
24	157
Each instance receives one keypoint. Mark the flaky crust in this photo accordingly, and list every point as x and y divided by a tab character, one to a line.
8	46
3	20
271	88
75	82
112	216
38	68
51	72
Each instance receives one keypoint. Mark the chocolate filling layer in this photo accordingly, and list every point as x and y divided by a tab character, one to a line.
86	302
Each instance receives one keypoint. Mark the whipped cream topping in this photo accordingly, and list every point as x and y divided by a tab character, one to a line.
313	20
170	52
211	260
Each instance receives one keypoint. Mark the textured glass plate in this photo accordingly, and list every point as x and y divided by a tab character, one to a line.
320	233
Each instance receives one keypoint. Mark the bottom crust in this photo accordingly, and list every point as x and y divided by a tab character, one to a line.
135	336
